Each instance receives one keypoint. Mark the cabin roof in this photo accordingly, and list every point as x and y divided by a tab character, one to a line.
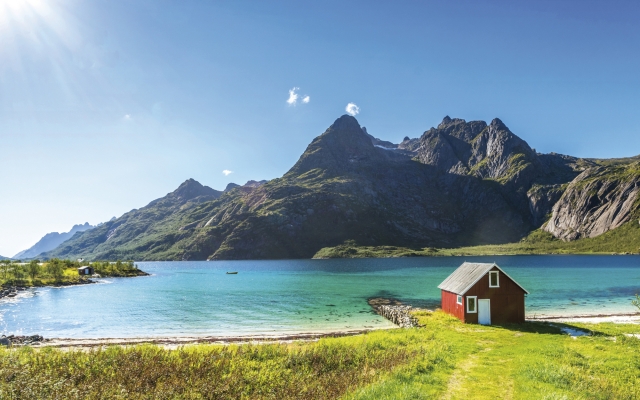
467	275
86	266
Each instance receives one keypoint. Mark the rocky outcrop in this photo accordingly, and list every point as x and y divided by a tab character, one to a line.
598	200
10	291
18	340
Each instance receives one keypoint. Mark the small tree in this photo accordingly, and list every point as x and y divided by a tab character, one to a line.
34	269
56	269
5	268
18	272
636	302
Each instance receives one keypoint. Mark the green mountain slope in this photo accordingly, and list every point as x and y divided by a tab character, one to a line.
622	240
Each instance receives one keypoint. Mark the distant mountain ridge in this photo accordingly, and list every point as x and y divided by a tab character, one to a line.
50	241
459	184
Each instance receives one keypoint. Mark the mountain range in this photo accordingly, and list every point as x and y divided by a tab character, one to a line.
50	241
459	184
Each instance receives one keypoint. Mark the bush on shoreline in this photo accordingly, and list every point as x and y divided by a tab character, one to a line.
56	271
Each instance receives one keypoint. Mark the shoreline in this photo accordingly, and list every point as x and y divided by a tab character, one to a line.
11	291
173	342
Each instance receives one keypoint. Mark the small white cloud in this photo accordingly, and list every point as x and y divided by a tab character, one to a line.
306	99
127	117
293	96
226	172
352	109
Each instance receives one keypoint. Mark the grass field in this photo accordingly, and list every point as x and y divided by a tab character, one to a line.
625	239
443	359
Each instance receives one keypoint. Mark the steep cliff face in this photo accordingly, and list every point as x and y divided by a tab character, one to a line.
542	198
598	200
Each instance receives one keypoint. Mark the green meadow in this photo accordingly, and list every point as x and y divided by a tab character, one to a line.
442	359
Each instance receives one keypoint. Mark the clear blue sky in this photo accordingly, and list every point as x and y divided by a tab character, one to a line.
107	105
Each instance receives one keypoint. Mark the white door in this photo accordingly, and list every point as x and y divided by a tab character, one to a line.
484	312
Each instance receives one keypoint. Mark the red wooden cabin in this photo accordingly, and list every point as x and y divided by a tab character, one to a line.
483	293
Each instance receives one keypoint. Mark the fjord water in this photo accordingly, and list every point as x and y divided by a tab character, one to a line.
278	297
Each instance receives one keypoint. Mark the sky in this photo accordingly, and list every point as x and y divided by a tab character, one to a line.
106	105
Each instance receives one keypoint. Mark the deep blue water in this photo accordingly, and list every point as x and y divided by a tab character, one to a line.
199	298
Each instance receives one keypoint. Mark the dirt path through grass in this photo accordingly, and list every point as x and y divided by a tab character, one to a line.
459	377
486	374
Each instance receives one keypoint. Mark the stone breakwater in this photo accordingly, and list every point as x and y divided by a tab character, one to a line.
14	340
394	311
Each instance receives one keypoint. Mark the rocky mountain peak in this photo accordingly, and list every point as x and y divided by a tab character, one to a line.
497	124
445	121
80	227
448	123
345	122
252	183
230	186
342	146
191	189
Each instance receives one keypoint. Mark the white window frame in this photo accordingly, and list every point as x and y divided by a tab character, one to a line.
497	273
459	300
475	302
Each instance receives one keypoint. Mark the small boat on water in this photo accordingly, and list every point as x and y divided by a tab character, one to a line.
232	273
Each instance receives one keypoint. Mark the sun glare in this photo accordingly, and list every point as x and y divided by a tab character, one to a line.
16	11
39	27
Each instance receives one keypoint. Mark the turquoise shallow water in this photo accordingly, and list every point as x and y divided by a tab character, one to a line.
269	297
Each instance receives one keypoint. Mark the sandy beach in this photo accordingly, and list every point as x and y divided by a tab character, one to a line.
177	341
172	342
